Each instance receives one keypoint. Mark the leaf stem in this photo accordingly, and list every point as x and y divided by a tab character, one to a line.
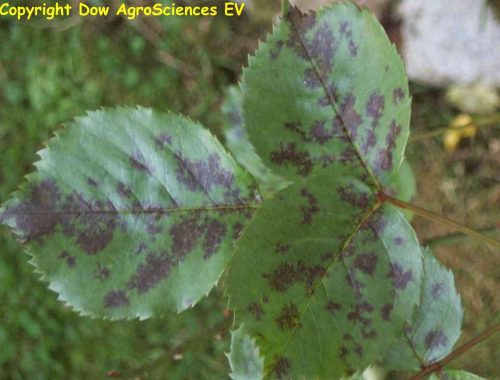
458	238
442	219
484	122
435	367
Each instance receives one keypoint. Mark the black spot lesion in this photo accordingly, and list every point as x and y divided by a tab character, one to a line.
435	339
256	310
69	259
138	162
153	271
288	318
366	263
162	140
288	154
202	175
398	95
281	367
400	276
287	274
215	232
115	299
311	208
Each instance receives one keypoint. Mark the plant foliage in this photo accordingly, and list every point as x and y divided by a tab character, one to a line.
133	213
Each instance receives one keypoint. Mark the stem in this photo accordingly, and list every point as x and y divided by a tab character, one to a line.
439	218
458	238
485	122
456	353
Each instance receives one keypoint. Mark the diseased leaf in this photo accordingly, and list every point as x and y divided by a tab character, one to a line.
326	90
329	268
132	213
455	375
244	358
437	323
238	144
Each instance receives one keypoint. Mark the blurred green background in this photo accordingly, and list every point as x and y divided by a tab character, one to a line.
52	72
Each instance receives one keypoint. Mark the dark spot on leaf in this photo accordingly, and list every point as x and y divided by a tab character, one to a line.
398	95
311	207
237	228
438	289
149	274
287	154
137	161
354	197
345	29
91	182
297	128
282	248
385	311
353	48
276	49
97	232
375	106
399	240
333	307
384	159
215	232
400	277
348	115
116	298
140	248
357	314
330	97
322	48
435	339
369	333
343	352
289	317
35	217
366	263
301	24
280	367
319	132
123	190
256	310
101	272
162	140
70	260
185	235
203	174
311	79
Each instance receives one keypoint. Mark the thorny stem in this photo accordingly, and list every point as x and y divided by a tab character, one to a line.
485	122
439	218
438	366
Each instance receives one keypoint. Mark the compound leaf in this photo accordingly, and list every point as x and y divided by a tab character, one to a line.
437	323
334	277
244	358
132	213
328	89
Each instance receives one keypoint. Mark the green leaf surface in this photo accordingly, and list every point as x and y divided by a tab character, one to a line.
437	323
328	89
454	375
334	277
244	358
132	213
238	144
